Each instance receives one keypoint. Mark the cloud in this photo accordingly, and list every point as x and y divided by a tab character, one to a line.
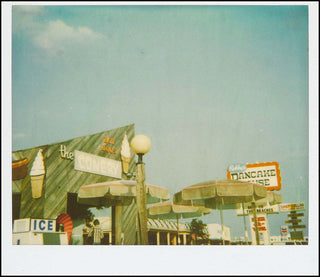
57	35
52	36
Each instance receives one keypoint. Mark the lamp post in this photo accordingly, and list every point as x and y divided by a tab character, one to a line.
141	145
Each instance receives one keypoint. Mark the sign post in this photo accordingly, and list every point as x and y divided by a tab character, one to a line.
294	219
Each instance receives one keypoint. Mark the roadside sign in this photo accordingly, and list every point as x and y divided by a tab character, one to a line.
266	174
295	215
262	224
265	208
43	225
288	207
294	221
297	226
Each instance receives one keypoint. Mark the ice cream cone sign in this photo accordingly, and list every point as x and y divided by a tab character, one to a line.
37	174
125	154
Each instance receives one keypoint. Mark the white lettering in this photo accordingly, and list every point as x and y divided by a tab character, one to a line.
98	165
64	154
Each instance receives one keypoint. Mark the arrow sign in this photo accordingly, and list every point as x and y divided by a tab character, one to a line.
293	221
297	227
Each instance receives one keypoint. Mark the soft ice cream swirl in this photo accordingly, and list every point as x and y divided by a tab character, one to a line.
38	165
125	148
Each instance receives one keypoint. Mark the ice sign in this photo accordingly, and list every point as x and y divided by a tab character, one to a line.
43	225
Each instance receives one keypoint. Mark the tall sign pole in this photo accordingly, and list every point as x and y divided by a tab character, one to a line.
141	204
141	145
256	230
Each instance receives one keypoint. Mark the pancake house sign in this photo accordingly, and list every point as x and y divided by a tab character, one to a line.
266	174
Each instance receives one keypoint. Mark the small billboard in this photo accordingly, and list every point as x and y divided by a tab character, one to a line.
264	208
266	174
288	207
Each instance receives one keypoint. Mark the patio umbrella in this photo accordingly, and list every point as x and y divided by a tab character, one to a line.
272	198
116	194
169	210
223	194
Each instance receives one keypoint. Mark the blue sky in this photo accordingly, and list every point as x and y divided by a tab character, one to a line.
209	85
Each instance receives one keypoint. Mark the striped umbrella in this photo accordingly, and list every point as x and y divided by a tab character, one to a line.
223	194
120	192
66	220
169	210
117	194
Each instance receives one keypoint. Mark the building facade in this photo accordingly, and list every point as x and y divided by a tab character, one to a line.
47	178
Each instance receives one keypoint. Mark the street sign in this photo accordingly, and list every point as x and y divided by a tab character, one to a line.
297	227
294	215
262	208
294	221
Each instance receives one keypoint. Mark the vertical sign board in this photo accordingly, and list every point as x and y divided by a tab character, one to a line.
266	174
262	228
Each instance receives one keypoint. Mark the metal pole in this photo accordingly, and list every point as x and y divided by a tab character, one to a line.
221	216
255	223
245	225
141	201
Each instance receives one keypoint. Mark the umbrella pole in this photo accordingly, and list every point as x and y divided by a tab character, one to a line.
116	224
245	225
178	229
221	216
